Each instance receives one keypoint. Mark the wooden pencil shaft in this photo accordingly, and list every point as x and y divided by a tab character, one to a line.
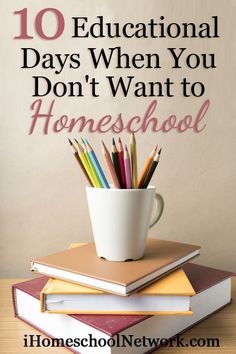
80	162
97	166
116	165
122	169
112	171
133	153
115	160
121	163
127	170
134	166
87	167
147	166
110	166
86	164
149	175
98	183
76	155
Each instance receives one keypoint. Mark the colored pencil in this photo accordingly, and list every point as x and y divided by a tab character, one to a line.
115	160
85	162
96	164
98	183
127	169
147	166
151	170
121	163
134	168
77	157
110	166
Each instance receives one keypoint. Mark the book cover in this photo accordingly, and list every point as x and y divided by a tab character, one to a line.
81	265
213	292
172	292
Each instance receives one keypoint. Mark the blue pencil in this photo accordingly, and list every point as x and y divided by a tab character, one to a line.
96	164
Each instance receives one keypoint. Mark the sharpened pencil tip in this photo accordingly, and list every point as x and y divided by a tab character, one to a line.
79	146
154	151
70	142
132	138
113	141
159	152
104	148
119	140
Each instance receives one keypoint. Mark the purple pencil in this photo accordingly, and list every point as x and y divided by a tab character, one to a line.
128	176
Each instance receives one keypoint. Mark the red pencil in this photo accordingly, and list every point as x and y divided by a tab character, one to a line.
121	163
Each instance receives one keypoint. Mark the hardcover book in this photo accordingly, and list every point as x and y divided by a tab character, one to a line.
169	295
81	265
213	291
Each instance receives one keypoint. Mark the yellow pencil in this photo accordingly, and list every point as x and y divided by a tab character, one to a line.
86	164
133	153
98	183
76	155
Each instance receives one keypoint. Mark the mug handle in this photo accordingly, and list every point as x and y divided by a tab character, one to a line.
159	209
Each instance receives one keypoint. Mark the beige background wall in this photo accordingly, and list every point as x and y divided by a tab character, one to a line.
43	202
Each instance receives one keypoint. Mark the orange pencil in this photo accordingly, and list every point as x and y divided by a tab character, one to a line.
110	166
147	166
151	170
76	155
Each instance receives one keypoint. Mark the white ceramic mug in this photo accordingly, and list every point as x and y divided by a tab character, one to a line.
120	220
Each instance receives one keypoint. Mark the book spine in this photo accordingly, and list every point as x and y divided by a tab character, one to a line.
14	301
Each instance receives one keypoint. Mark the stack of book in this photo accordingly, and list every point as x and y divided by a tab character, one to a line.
82	297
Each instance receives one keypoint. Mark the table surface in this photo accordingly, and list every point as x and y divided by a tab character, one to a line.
221	325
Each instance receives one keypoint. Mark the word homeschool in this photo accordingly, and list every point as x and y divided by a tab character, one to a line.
46	120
